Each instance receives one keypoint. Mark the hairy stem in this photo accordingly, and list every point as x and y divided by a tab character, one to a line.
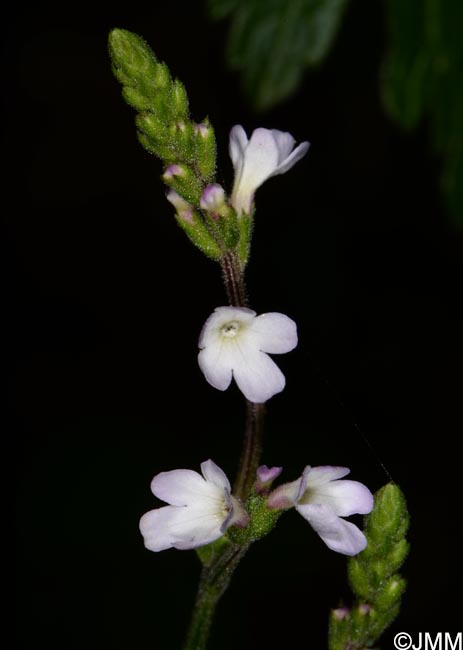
216	575
233	277
214	580
252	444
251	452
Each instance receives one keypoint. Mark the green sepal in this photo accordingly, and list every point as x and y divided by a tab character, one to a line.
135	98
390	592
181	133
339	630
151	126
232	236
179	101
205	150
186	184
262	520
200	236
225	229
164	151
359	579
132	57
245	225
207	554
360	621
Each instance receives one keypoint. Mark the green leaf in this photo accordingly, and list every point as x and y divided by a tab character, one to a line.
422	79
272	42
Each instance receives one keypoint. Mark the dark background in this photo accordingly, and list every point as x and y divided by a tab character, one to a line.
108	299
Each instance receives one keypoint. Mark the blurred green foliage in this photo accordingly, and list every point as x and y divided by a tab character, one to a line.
272	42
423	79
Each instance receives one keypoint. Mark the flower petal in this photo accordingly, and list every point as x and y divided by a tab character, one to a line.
298	153
257	376
339	535
284	496
237	146
274	333
285	144
260	161
180	527
182	487
316	476
213	474
216	366
343	497
197	527
155	526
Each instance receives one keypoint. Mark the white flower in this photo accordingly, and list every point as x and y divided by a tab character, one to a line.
321	498
234	341
201	509
266	154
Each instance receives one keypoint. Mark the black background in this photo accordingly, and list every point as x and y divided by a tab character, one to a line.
108	299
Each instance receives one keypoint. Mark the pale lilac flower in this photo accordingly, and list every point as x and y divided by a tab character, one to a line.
268	153
200	511
234	342
321	498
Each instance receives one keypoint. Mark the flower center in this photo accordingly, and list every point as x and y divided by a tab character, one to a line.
230	329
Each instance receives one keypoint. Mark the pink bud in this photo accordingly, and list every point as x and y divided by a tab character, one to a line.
213	198
267	474
202	130
172	171
341	613
186	215
184	209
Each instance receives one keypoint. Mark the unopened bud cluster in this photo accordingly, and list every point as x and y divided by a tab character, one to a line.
373	575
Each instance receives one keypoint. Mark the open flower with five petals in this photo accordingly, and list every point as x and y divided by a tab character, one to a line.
200	509
323	499
267	153
234	343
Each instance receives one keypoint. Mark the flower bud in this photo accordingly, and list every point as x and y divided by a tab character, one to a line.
205	149
265	477
183	180
213	201
183	208
132	57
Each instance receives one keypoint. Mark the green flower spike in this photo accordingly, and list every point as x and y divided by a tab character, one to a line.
186	149
373	575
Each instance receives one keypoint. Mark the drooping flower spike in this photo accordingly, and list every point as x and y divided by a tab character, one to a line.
322	499
234	342
268	153
200	509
